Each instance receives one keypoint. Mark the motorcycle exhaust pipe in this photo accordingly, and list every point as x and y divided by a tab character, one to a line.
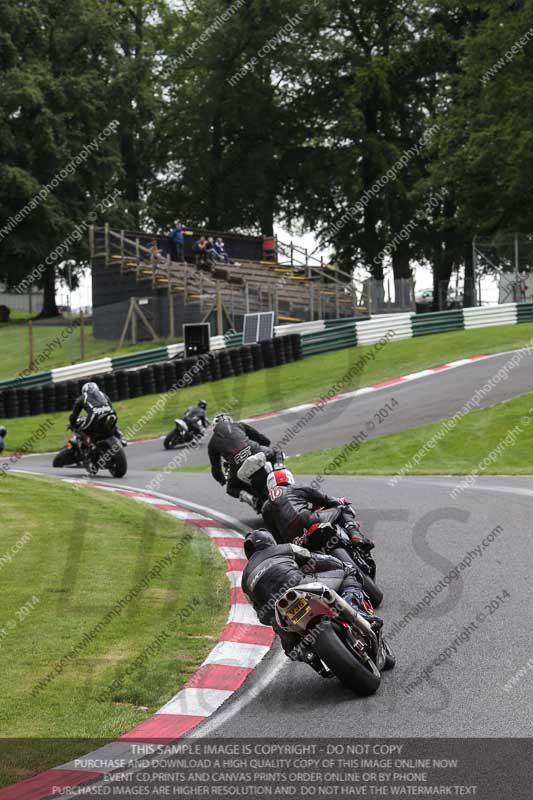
347	612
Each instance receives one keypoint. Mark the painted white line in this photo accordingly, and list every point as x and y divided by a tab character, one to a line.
237	654
196	702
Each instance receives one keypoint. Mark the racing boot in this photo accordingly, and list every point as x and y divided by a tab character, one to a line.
246	497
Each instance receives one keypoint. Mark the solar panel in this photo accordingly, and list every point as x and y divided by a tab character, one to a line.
258	327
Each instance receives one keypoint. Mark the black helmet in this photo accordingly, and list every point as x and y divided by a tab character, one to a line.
202	404
3	432
258	540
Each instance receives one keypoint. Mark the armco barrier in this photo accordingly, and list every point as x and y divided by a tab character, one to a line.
437	322
524	312
393	326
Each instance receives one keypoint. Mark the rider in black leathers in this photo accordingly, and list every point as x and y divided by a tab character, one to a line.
3	434
273	568
235	442
97	406
291	510
196	418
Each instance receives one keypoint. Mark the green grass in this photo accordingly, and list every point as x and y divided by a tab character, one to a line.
54	346
273	389
87	549
459	451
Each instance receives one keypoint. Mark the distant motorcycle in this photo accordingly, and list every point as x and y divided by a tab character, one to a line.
95	454
329	536
3	434
181	435
334	639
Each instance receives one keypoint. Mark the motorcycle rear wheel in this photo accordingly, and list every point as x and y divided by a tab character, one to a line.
363	679
172	440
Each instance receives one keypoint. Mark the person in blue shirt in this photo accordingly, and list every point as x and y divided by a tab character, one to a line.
177	239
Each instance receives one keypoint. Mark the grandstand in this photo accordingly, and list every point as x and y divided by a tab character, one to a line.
295	288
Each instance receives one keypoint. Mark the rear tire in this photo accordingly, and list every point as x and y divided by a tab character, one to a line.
119	465
372	590
64	458
363	680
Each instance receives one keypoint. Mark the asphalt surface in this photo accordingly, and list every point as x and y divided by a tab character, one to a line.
420	534
421	401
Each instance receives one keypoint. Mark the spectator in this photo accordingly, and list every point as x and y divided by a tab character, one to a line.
155	253
199	248
210	249
177	242
220	251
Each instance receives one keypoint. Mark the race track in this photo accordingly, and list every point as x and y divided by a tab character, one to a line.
421	533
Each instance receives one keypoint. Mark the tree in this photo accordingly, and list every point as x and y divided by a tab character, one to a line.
54	59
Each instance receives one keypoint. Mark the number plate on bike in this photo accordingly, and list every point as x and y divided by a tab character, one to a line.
299	610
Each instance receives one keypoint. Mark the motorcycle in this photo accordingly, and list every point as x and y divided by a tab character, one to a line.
254	472
330	537
333	638
95	454
3	434
181	435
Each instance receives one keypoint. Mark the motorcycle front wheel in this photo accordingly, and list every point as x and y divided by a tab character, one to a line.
65	458
172	440
118	465
362	678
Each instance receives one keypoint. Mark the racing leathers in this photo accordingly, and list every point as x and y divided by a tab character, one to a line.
235	442
290	511
196	420
98	408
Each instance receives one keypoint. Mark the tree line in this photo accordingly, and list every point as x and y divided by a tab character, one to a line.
395	131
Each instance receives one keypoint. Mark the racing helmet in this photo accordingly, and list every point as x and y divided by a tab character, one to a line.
257	540
222	418
90	387
280	477
202	404
3	432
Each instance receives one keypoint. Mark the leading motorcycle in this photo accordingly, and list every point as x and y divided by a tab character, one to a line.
333	638
95	454
180	435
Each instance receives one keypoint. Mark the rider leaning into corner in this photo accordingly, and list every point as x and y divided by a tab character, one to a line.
235	442
273	568
196	418
291	510
96	405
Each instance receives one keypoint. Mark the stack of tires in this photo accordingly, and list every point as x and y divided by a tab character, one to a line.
155	379
122	384
36	401
11	403
269	353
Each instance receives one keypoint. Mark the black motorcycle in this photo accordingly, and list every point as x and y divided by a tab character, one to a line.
181	435
3	434
95	453
329	536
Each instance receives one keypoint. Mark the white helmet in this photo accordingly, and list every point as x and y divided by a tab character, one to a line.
280	477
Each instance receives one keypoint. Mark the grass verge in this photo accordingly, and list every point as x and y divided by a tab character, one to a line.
54	346
277	388
62	572
491	441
